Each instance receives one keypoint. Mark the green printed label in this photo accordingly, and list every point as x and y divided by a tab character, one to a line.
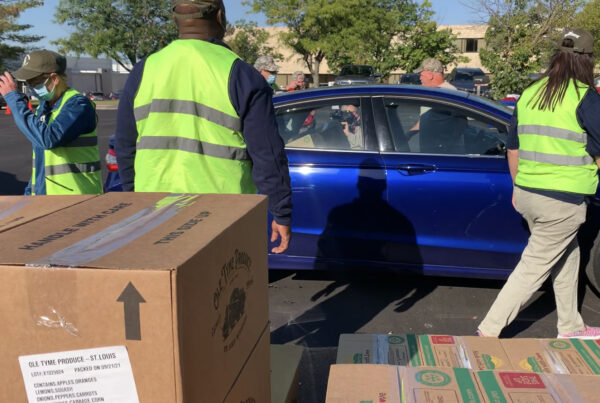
432	377
587	357
366	401
465	383
593	347
491	387
560	345
534	364
413	350
395	340
357	358
488	361
427	351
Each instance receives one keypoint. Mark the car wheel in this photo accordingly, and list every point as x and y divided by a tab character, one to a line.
592	269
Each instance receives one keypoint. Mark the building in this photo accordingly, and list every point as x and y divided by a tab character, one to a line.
470	39
87	74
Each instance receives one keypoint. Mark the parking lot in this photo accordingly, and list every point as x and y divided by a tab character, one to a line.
312	308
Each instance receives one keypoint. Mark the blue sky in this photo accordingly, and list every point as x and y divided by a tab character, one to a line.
42	18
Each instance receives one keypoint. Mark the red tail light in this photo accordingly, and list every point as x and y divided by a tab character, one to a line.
111	160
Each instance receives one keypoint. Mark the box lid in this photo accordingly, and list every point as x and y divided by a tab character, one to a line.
163	231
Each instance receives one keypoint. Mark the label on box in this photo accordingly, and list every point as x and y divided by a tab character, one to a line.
86	376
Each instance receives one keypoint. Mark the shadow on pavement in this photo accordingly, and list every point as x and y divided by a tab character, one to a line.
10	185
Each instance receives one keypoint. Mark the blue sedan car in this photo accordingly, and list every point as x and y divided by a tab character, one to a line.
400	177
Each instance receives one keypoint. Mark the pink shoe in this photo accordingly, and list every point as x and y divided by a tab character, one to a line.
589	333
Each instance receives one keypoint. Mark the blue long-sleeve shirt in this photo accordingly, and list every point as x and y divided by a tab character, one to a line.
76	117
251	98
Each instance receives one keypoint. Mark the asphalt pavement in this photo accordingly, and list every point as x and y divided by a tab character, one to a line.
313	308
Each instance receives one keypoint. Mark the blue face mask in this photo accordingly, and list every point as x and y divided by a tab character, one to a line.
42	92
271	78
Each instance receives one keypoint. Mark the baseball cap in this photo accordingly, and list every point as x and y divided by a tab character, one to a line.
266	63
205	7
41	62
431	64
583	42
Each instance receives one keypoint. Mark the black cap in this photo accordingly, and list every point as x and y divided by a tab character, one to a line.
41	62
583	42
205	7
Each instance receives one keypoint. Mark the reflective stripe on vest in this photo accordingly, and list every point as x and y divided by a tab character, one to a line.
189	132
73	168
552	155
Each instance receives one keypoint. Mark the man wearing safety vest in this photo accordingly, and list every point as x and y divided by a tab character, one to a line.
62	130
553	149
194	118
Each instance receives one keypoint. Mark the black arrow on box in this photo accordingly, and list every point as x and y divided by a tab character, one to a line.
131	299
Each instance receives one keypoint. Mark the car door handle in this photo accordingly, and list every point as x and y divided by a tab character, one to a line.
415	169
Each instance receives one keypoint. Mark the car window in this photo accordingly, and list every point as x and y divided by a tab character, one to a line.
435	128
356	71
332	125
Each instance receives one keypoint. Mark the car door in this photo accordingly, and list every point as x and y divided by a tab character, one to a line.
448	176
331	172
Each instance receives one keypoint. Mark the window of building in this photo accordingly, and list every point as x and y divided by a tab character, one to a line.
471	45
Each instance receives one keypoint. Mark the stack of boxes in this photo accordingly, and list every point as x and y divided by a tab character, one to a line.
428	368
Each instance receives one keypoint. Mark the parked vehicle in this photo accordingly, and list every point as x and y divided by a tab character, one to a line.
356	74
2	102
468	78
96	96
410	78
435	202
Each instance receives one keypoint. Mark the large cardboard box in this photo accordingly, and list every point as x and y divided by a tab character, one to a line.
18	210
179	280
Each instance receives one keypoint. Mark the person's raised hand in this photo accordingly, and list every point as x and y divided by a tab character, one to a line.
7	84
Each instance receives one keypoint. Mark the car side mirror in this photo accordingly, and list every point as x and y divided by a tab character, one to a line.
481	80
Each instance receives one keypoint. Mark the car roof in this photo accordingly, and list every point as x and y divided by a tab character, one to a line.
316	94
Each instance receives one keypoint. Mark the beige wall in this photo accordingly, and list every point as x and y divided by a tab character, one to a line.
293	62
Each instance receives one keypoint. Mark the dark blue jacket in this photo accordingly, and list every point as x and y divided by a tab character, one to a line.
252	99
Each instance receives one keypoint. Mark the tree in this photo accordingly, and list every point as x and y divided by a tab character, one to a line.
521	36
125	30
303	35
387	34
588	19
249	42
12	39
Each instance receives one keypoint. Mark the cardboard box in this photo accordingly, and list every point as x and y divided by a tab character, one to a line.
560	356
285	365
446	385
396	349
18	210
180	280
252	386
363	383
424	350
515	386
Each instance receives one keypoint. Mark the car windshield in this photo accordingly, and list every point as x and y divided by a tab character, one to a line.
356	71
467	75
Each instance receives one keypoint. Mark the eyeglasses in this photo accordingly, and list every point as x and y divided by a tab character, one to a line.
41	79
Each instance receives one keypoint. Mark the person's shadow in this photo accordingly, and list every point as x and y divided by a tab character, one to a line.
10	185
359	238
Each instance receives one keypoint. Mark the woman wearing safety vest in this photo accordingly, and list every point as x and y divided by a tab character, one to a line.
62	130
553	149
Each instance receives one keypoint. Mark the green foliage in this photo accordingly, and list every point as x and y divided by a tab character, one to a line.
124	30
387	34
249	42
588	19
520	38
12	39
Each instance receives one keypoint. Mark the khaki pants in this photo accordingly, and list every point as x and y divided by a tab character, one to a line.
552	250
